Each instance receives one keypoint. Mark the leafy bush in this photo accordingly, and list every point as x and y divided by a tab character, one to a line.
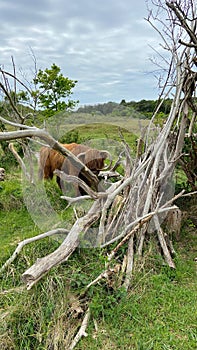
71	136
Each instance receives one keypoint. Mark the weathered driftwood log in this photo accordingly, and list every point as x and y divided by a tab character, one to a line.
62	253
30	240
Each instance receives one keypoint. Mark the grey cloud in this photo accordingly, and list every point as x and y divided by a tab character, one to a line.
104	45
22	13
107	13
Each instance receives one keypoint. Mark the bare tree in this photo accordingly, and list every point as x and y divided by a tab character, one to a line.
133	207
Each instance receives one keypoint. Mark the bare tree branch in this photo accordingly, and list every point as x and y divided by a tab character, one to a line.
30	240
82	331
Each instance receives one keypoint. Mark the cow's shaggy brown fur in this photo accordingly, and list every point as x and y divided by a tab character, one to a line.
51	160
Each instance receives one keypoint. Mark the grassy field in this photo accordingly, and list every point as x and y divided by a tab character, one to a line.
96	126
158	312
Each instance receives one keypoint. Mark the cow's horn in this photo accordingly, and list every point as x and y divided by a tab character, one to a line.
106	155
81	156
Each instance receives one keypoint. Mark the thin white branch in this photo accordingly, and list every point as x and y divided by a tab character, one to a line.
137	222
102	275
82	331
79	182
18	125
71	200
20	161
130	261
189	194
163	243
30	240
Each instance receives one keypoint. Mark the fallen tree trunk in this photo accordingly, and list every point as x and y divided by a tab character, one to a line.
63	252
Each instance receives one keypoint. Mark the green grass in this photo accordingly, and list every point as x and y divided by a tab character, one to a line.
106	132
14	228
105	129
159	312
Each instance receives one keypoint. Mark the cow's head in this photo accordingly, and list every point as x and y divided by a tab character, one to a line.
95	159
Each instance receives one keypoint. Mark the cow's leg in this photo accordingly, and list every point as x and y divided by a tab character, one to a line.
59	182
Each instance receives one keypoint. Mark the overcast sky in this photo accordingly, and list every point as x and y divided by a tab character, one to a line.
105	45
